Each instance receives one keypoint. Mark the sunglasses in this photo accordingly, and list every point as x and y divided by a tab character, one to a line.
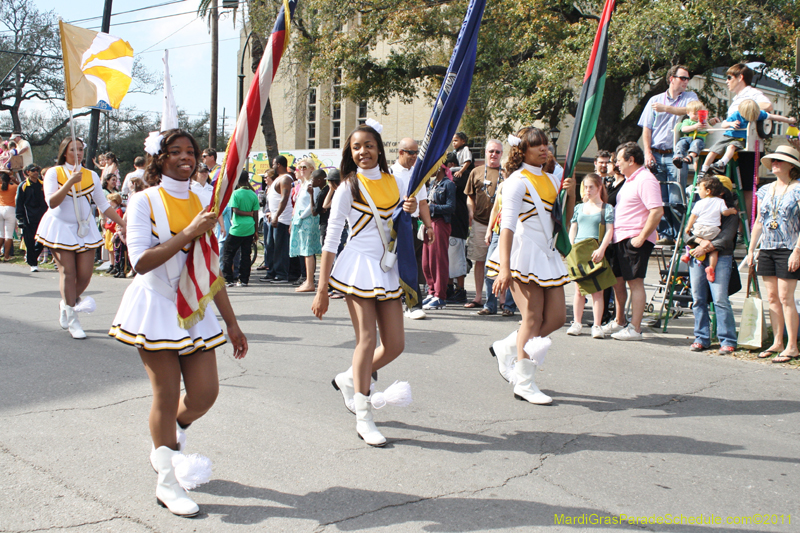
494	151
729	77
303	167
410	152
682	78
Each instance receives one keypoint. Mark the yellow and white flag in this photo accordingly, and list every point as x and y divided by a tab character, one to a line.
97	67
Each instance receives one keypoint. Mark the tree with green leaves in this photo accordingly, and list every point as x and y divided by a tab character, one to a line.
532	54
30	60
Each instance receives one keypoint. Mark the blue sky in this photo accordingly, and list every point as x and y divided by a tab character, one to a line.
185	35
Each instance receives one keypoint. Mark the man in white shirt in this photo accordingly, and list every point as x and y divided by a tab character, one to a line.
138	172
201	185
402	169
738	79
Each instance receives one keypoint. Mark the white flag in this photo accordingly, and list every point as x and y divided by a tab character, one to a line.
169	111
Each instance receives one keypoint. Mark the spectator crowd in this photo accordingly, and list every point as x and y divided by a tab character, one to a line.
624	210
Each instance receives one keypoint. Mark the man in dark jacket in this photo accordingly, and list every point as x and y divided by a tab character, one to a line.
31	207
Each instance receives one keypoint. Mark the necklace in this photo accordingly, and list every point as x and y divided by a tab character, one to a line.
776	202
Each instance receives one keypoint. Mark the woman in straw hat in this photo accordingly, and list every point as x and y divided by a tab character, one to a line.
777	229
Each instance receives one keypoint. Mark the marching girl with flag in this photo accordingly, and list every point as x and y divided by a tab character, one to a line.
162	221
69	229
367	274
526	261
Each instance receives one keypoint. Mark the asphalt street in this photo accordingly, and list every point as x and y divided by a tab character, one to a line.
643	430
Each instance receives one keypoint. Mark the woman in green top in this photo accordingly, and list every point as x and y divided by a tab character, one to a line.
243	232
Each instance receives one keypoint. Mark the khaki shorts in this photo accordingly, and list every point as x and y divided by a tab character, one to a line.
705	232
477	248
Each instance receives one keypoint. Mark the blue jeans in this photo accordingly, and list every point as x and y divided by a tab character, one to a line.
277	252
665	172
687	144
491	299
701	288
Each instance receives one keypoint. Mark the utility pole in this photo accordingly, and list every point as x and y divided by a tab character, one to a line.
223	123
94	125
212	116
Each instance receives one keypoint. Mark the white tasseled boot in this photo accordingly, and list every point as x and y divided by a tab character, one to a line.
73	324
62	315
525	387
180	434
344	383
364	425
169	492
506	353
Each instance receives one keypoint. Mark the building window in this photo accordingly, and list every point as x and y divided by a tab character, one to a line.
311	113
477	147
312	145
362	112
336	110
777	127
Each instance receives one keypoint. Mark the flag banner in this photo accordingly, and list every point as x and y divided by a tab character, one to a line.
200	279
443	124
169	110
97	67
585	126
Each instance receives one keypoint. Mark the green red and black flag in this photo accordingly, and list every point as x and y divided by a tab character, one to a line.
591	98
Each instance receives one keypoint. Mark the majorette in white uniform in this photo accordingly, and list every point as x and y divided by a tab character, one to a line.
533	256
148	315
59	226
358	268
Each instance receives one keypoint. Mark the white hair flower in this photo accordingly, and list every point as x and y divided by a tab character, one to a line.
152	145
375	125
513	140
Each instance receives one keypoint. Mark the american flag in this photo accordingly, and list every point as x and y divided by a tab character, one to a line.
200	279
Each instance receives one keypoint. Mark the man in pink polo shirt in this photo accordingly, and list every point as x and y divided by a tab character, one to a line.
636	216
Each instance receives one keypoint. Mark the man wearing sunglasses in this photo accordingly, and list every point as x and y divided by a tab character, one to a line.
738	79
402	169
658	121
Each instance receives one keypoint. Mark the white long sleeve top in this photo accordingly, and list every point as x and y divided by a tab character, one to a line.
364	236
65	210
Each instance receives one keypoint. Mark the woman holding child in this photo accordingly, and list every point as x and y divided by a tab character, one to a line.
777	229
707	281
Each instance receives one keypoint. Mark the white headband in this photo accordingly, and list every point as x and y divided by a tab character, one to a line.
375	125
152	145
513	140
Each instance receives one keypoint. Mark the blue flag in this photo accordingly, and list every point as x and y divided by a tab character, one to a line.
442	126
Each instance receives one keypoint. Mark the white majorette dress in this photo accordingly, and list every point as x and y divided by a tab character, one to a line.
357	270
148	315
528	197
59	226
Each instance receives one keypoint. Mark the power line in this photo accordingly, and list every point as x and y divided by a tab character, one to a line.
124	23
129	11
184	46
167	37
147	20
